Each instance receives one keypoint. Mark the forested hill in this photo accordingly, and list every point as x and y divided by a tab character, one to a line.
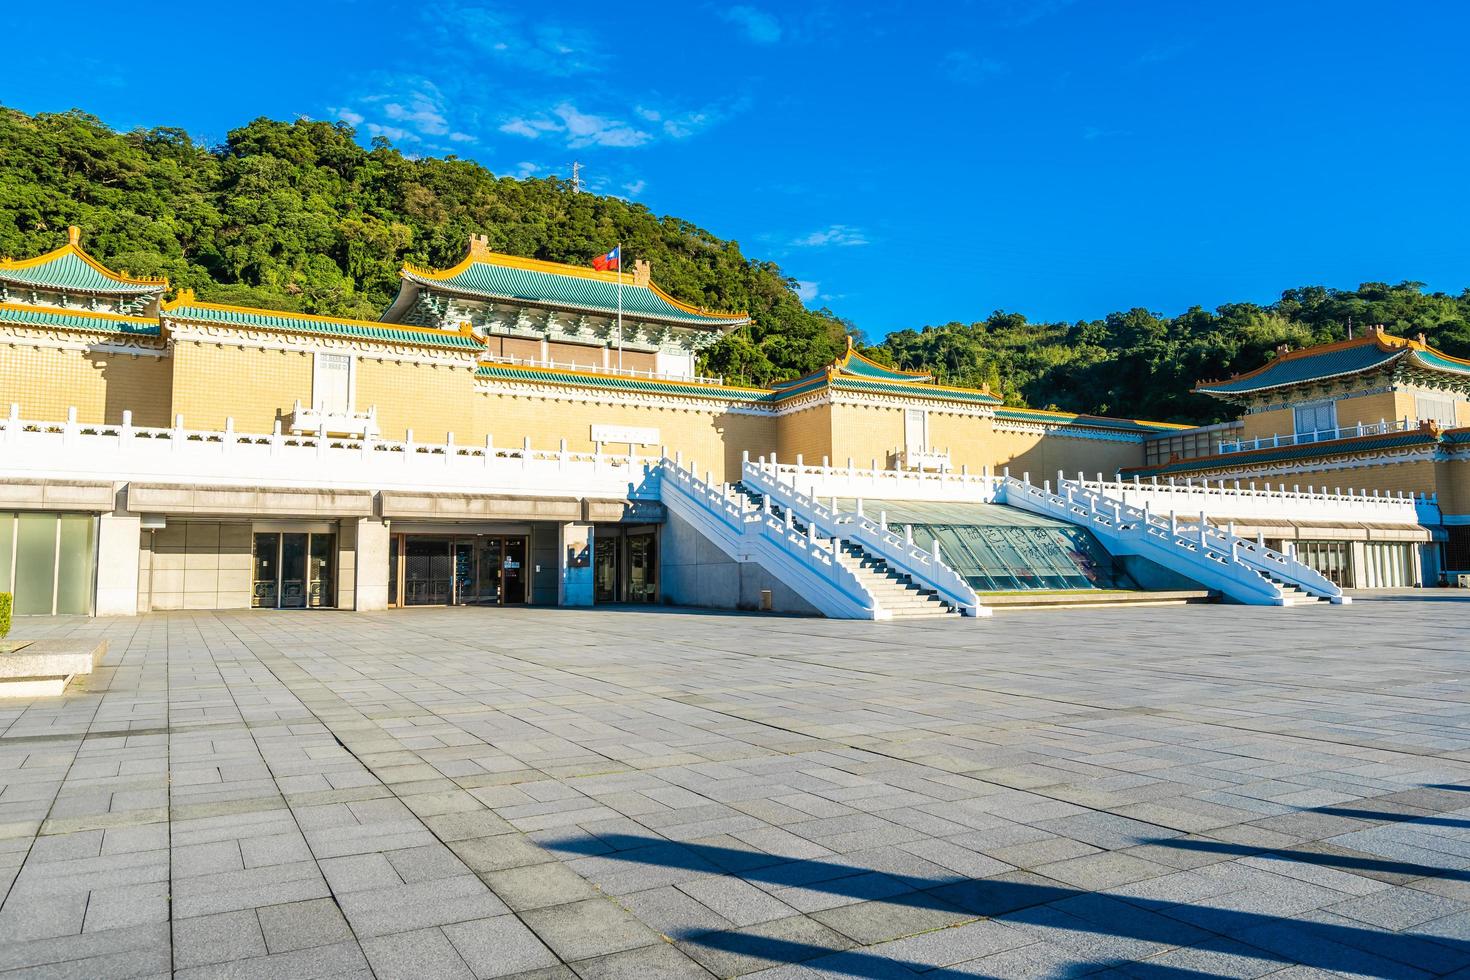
300	216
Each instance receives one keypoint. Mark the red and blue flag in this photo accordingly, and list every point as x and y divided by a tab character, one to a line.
611	260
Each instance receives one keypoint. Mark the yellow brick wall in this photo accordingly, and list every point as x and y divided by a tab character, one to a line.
1454	486
863	433
808	433
251	385
46	381
713	440
1264	425
431	399
969	439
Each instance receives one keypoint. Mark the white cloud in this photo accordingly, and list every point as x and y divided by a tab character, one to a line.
348	116
806	290
580	129
585	129
458	137
635	187
422	113
395	133
758	25
844	235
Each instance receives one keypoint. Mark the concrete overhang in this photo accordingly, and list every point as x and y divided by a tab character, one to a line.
263	502
399	505
84	495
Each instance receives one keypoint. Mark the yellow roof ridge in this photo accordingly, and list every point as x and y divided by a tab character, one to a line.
73	247
483	255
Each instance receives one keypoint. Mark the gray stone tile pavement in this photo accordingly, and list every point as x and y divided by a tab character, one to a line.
1147	793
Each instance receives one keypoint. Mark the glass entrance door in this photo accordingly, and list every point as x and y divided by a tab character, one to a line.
483	570
604	568
513	572
294	570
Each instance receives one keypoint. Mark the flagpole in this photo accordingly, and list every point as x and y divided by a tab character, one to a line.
620	307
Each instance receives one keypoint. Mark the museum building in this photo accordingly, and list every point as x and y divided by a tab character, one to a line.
517	431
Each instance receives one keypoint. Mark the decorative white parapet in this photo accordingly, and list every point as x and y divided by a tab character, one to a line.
1244	501
126	453
920	460
926	568
871	482
805	562
1381	427
304	420
1242	569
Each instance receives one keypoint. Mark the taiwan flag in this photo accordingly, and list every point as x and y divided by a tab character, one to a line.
611	260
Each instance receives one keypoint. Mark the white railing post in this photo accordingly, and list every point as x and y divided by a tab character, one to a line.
125	434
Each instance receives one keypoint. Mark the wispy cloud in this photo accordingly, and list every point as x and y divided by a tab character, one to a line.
807	290
579	129
760	27
843	235
968	68
534	44
635	187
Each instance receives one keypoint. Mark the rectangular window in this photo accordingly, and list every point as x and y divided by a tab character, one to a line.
1316	422
914	430
331	386
1439	409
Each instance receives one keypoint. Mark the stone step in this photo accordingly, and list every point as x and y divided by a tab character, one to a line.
1090	600
34	687
37	667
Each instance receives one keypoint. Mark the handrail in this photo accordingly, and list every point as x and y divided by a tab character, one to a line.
1212	542
809	561
926	568
1381	427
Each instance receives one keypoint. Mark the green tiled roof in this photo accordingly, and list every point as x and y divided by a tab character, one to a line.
506	372
40	316
1455	437
1438	362
1092	421
65	269
567	291
860	367
1337	447
916	389
324	326
1306	367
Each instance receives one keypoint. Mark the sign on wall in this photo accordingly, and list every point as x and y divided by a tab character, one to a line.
631	434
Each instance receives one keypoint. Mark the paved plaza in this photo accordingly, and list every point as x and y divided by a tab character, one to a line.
1157	793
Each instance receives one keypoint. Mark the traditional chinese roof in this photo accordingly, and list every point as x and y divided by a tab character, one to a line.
592	379
484	274
69	269
855	372
186	307
1425	434
1360	355
1091	421
84	321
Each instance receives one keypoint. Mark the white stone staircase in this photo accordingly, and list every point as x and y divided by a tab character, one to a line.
1238	568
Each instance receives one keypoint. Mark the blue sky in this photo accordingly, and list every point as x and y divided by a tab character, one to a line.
908	163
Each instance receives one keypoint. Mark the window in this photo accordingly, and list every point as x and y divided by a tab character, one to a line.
1439	409
331	384
915	426
1316	421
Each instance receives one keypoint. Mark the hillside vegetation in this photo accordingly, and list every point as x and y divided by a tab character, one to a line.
300	216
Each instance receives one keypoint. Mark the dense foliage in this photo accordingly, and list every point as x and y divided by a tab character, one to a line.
300	216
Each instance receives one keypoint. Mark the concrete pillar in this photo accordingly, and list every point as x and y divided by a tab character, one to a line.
118	536
371	565
575	586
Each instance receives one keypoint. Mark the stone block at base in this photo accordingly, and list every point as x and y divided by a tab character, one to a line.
42	668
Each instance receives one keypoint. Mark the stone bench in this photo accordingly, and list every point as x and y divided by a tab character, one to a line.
43	668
